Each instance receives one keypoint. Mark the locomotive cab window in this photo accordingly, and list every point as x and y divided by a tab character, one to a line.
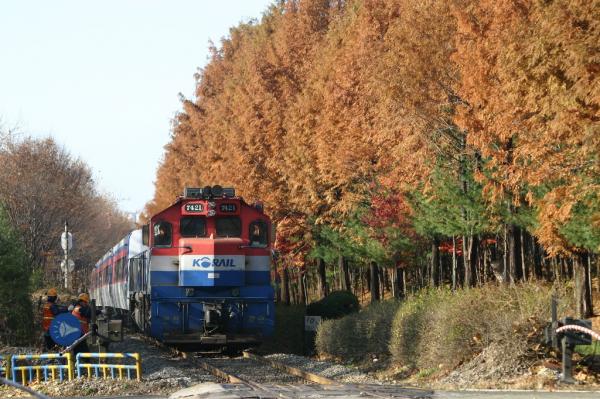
163	234
229	226
193	226
258	234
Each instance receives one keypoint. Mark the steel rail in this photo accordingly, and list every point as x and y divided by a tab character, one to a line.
319	379
234	379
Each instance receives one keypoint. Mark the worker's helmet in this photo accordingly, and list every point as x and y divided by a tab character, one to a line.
52	292
84	297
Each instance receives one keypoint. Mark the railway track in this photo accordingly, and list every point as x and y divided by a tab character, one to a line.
259	377
255	376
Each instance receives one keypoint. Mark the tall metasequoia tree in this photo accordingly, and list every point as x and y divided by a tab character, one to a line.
323	106
530	80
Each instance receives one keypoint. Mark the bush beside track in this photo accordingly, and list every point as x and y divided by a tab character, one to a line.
358	335
438	330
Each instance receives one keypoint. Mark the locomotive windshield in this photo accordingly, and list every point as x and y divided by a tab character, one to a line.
162	234
229	226
258	234
193	226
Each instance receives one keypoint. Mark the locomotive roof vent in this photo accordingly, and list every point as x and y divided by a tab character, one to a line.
209	192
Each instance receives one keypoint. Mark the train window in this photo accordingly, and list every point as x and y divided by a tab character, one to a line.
193	226
229	226
162	234
119	267
259	234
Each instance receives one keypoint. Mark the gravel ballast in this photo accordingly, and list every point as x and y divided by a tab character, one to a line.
164	372
327	369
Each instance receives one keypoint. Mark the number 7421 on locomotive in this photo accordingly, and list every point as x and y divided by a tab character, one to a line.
198	273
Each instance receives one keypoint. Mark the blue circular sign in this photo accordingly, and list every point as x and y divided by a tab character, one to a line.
65	329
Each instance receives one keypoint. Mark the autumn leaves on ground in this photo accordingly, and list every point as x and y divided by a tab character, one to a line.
400	144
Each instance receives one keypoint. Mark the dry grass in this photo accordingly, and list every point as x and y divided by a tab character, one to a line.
444	329
488	331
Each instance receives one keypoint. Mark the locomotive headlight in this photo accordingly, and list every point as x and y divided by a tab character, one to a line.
212	204
211	212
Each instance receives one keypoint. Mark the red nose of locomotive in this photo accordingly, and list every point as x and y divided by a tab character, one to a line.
211	241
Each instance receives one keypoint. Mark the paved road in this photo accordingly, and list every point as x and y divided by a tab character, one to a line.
237	391
515	395
233	391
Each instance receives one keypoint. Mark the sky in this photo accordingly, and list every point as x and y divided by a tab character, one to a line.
103	78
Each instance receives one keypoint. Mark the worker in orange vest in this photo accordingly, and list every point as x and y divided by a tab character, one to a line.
83	313
49	311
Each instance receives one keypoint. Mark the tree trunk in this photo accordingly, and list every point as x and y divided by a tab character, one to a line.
579	280
474	259
435	255
470	259
363	276
374	282
454	265
587	267
441	269
512	258
598	272
322	277
466	265
285	285
523	263
345	273
293	290
399	281
302	287
382	282
278	286
537	261
519	276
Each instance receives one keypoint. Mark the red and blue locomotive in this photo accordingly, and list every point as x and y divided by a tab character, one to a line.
198	273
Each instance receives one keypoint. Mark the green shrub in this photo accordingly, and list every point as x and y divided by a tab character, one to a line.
409	323
335	305
358	335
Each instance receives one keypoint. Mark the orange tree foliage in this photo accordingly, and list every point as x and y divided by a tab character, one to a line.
529	73
320	101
